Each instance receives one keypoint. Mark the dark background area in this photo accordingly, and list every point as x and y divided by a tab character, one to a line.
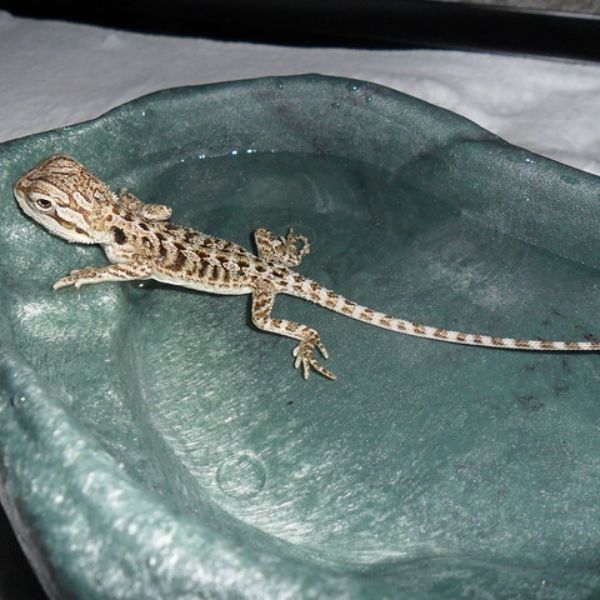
17	580
553	28
519	26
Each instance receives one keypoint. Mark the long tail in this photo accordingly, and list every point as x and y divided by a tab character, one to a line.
314	292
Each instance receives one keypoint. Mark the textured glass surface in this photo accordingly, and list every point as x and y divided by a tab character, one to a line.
154	444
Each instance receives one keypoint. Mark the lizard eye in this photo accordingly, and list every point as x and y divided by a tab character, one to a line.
43	204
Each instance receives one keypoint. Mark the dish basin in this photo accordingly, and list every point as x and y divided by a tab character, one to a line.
153	444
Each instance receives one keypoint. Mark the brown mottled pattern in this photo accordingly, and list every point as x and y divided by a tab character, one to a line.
213	273
119	235
201	269
180	261
331	300
440	333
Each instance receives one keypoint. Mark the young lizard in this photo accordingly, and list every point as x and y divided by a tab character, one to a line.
140	243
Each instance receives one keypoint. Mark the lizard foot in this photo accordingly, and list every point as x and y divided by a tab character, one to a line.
281	250
77	277
290	244
305	358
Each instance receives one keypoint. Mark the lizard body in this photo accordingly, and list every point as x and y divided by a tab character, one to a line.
141	243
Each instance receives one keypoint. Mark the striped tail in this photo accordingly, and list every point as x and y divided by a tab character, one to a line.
314	292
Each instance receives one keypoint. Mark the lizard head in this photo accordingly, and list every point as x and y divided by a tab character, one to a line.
64	197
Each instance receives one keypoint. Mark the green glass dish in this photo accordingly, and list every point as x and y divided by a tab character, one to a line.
154	445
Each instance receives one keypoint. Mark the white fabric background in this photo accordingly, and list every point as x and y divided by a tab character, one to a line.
54	74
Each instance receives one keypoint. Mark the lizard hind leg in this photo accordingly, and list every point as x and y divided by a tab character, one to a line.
281	250
263	299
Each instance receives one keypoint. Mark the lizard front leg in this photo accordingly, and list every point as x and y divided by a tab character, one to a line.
263	299
152	212
114	272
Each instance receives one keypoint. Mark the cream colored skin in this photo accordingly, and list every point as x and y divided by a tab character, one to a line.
141	243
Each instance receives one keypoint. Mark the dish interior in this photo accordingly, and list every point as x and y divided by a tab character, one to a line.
420	449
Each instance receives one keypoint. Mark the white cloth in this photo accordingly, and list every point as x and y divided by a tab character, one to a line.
54	74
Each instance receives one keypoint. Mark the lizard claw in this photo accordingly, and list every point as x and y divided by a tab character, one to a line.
60	284
322	349
65	282
305	358
290	241
77	278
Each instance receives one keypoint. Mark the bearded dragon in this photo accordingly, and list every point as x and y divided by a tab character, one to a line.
141	243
